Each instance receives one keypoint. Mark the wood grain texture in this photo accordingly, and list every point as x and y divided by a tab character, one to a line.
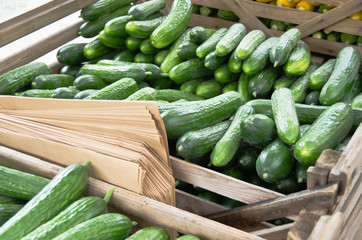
312	199
328	159
274	233
303	226
327	227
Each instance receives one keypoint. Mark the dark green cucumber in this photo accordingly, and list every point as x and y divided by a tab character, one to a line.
65	92
233	86
357	101
159	57
207	11
143	29
112	54
52	81
150	233
72	70
200	34
172	95
243	88
210	44
133	44
348	38
298	60
143	58
300	87
85	93
234	172
277	25
226	147
92	28
227	15
142	10
110	226
147	48
312	98
281	50
96	10
38	93
76	213
163	83
285	115
174	25
301	172
67	186
333	36
195	116
196	144
118	90
188	70
284	81
110	41
330	127
8	210
125	56
231	39
224	75
116	27
341	79
18	78
213	61
235	64
95	49
261	83
247	159
71	54
190	86
11	200
259	58
87	81
187	51
110	74
275	162
144	94
247	45
188	237
343	144
289	185
354	91
19	184
258	130
208	89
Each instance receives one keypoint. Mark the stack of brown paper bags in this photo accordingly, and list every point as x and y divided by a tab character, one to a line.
125	141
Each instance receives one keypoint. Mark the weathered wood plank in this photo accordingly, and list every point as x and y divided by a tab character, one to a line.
303	226
274	233
327	227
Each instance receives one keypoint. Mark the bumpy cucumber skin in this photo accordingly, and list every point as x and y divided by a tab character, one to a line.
117	27
224	75
95	49
200	34
145	9
52	81
71	54
261	83
188	70
17	78
38	93
231	39
118	90
208	89
8	210
143	29
312	98
178	121
67	186
98	9
85	93
280	51
187	51
126	56
321	75
354	91
299	60
227	146
196	144
174	25
147	48
300	86
87	81
341	79
159	57
284	81
235	64
326	132
144	94
190	86
285	115
188	237
210	44
133	44
243	88
172	95
213	61
233	86
259	58
253	39
150	233
110	41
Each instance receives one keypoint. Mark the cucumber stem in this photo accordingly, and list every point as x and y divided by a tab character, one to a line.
130	17
134	223
276	64
164	74
265	175
209	164
148	73
248	122
86	163
108	195
300	180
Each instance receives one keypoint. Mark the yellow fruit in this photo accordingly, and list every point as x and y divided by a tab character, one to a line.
356	16
264	1
286	3
305	6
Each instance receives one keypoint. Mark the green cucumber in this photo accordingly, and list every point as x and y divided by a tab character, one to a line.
198	115
301	172
67	186
207	11
64	92
210	44
319	35
52	81
321	75
116	27
357	101
98	9
8	210
298	60
247	45
258	130
110	41
224	75
275	162
213	61
343	144
188	237
150	233
289	185
330	127
261	83
333	36
243	88
188	70
233	86
71	70
125	56
190	86
143	10
159	57
144	94
284	81
11	200
259	58
235	64
196	144
342	77
143	29
95	49
87	81
174	25
118	90
71	54
354	91
143	58
312	98
19	184
164	105
348	38
280	51
76	213
277	25
231	39
234	172
226	147
147	48
133	44
359	41
247	159
195	8
85	93
38	93
172	95
300	87
200	34
163	83
92	28
285	115
227	15
18	78
208	89
187	51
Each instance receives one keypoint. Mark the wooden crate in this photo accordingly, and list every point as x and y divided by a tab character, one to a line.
333	184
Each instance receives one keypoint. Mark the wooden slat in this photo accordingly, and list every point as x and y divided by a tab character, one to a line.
303	226
220	183
311	199
275	233
132	203
327	228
